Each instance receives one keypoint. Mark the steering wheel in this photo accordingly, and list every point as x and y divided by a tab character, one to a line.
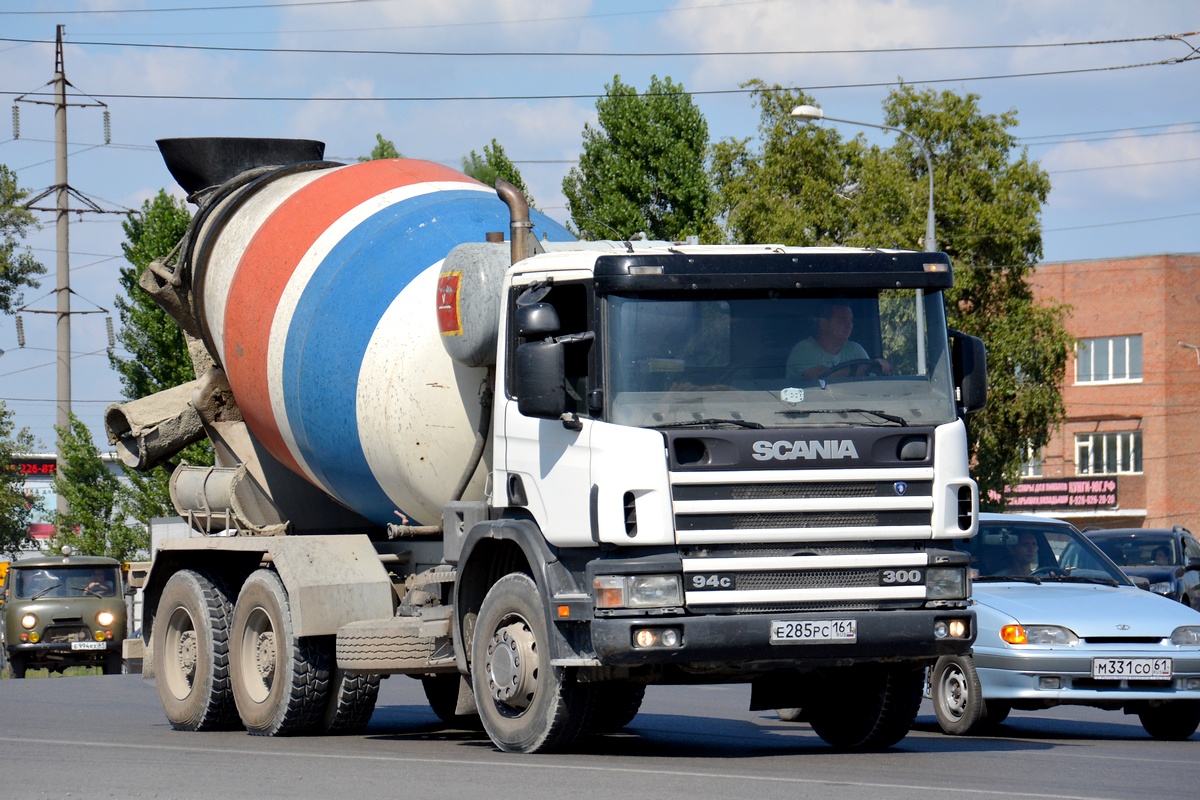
854	364
1045	572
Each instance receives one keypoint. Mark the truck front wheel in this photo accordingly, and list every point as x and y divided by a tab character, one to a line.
16	665
280	681
868	706
526	705
190	642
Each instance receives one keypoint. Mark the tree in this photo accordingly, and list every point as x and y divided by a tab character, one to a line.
156	345
642	169
384	148
17	269
158	350
493	164
807	185
17	508
98	521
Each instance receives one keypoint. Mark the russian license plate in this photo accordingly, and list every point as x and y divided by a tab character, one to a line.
88	645
843	631
1145	669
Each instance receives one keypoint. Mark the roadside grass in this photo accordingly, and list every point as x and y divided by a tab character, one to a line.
69	672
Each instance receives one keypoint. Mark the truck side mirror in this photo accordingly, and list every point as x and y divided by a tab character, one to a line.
970	371
540	379
535	320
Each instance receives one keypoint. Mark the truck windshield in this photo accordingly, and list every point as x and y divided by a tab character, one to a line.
779	361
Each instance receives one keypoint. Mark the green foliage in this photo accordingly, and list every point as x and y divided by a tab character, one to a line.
807	185
98	521
384	148
158	355
493	164
158	349
17	268
16	508
642	170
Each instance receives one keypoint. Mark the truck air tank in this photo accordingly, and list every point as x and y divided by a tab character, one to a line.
315	292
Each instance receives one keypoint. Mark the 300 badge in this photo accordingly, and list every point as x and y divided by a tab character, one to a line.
901	577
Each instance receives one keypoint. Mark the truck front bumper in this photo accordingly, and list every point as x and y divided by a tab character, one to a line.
745	639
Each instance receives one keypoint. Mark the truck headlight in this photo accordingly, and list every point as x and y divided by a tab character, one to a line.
29	621
105	618
946	583
638	591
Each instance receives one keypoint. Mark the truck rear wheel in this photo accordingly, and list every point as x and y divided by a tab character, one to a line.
868	706
351	701
526	705
190	642
280	681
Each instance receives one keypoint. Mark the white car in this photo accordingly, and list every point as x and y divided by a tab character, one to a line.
1059	624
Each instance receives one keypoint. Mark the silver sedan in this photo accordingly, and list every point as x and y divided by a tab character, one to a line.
1060	624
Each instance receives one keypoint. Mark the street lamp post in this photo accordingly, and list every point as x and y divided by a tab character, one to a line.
812	113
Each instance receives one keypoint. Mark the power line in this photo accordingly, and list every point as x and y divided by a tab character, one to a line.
594	96
1122	166
243	7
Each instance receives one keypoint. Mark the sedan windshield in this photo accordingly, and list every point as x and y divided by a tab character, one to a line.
779	361
1035	552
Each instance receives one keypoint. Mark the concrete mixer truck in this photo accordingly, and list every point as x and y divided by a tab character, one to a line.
541	474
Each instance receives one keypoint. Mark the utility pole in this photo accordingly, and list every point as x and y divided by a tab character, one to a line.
62	210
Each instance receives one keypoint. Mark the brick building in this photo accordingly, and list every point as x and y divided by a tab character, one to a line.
1129	452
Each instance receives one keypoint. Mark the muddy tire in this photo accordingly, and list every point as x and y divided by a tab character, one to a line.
441	691
113	663
190	642
526	705
280	681
868	706
351	701
614	705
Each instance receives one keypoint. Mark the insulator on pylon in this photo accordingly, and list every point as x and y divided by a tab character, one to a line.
20	331
16	121
107	128
112	340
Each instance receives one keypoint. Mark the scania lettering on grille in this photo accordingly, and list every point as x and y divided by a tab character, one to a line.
812	449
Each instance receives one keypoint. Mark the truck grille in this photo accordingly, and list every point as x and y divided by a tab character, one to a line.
818	543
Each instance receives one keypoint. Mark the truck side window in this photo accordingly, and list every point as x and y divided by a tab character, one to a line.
572	301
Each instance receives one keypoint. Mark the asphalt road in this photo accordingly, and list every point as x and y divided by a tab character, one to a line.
106	736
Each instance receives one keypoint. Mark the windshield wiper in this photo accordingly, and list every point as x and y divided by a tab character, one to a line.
47	589
711	422
901	421
1084	579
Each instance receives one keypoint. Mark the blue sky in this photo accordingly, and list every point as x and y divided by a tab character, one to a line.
1121	142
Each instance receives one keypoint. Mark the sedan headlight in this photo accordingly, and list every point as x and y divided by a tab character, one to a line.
1163	587
29	621
105	618
638	591
1187	635
1038	634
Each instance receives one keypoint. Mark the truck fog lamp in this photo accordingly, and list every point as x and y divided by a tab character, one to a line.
1186	635
29	621
670	637
958	629
657	637
105	618
646	638
940	630
946	583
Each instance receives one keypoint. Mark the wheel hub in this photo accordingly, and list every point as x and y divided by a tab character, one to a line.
264	657
512	665
186	655
954	693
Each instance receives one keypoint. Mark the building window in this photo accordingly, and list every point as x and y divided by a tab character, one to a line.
1032	466
1108	358
1108	453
